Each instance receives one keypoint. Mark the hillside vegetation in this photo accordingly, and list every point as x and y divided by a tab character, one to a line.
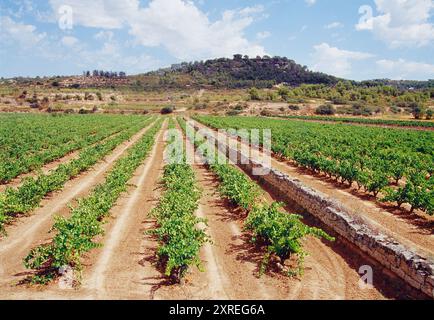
242	72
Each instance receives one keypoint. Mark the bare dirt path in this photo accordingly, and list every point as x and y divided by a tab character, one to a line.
28	232
412	230
117	271
51	166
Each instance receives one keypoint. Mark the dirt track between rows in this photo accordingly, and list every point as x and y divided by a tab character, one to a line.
117	270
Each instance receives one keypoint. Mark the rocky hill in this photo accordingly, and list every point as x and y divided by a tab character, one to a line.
242	71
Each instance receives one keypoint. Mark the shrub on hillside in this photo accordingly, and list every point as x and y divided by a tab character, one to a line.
293	107
84	111
233	113
167	110
266	113
88	97
418	110
395	109
359	109
254	94
339	100
325	109
295	100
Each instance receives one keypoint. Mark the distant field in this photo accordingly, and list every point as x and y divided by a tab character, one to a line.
29	141
402	123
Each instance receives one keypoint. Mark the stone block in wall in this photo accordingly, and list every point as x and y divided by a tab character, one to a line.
414	283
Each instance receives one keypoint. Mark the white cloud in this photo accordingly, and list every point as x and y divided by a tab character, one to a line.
69	41
25	35
336	61
109	56
177	25
104	35
17	9
403	69
248	11
187	33
69	49
310	2
106	14
263	35
400	23
334	25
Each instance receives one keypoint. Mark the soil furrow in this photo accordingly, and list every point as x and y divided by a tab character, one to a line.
237	275
216	279
117	271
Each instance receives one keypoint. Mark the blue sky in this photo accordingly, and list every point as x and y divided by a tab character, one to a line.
357	39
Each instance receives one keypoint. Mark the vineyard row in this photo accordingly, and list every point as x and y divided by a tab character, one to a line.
76	234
